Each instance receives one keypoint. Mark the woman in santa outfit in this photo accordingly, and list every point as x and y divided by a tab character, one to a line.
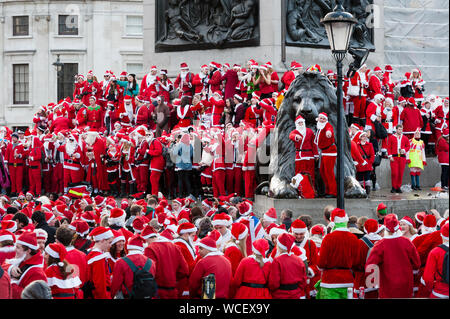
61	278
81	90
441	115
185	241
251	278
428	124
149	84
408	228
217	108
433	271
416	159
157	161
357	91
418	85
126	173
235	250
251	114
363	170
184	113
117	249
7	240
366	243
287	278
249	166
442	151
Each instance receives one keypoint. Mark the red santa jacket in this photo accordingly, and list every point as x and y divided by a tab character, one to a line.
60	124
62	288
359	80
250	272
142	115
338	256
189	255
11	150
360	268
7	252
287	78
374	86
234	255
213	263
94	117
157	161
324	143
82	91
74	160
200	81
184	84
215	81
218	107
99	274
32	269
432	274
184	115
412	120
34	154
305	149
395	144
442	151
289	270
170	265
396	113
122	276
368	154
149	85
140	154
442	117
251	115
394	258
81	117
78	261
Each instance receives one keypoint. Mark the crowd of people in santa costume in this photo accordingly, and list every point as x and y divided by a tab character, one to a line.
85	248
199	134
161	147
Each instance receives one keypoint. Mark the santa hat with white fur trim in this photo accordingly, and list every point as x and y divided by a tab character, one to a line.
100	233
391	223
285	241
260	247
298	226
116	216
118	236
444	231
277	230
299	119
28	239
271	215
56	250
186	228
339	215
239	231
7	235
208	243
136	242
222	219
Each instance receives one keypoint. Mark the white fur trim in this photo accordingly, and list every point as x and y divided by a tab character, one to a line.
51	252
299	230
27	244
270	219
221	222
190	230
134	247
117	239
338	220
67	283
105	235
207	247
6	237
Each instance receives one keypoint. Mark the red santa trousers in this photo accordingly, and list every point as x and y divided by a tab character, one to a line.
57	184
72	175
154	181
142	177
305	166
327	173
35	179
47	179
397	169
234	180
249	182
218	182
16	175
359	104
206	176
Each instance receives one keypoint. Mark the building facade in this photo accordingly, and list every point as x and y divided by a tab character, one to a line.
84	35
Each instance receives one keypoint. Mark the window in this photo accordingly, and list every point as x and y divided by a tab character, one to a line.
134	68
21	83
20	26
134	25
66	80
68	25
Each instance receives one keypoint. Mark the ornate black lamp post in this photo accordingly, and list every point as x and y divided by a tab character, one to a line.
339	26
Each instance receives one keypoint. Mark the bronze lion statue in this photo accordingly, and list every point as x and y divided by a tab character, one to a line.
310	94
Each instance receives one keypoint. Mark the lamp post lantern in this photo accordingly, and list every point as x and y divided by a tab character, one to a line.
339	26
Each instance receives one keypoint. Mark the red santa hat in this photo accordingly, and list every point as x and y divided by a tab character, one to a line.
136	242
208	243
118	236
100	233
410	101
429	224
204	66
298	226
408	220
186	228
9	225
382	209
391	223
388	68
276	230
124	203
285	241
99	200
30	193
419	217
57	251
139	224
244	208
299	119
260	247
377	69
338	215
239	231
89	217
167	234
148	232
153	67
256	96
7	235
444	231
81	227
116	216
184	66
271	215
49	216
219	93
330	72
222	219
370	226
323	114
318	230
111	203
87	200
445	132
28	239
179	201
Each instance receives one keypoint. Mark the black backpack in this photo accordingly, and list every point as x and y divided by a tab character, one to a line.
444	274
144	284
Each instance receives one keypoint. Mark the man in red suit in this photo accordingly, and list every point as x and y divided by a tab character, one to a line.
289	76
287	278
122	276
392	262
305	148
215	78
171	267
95	150
324	139
338	256
218	106
411	118
357	91
441	113
142	111
142	160
27	266
185	241
149	84
15	159
157	162
201	80
73	157
183	82
99	272
375	82
212	262
34	155
398	146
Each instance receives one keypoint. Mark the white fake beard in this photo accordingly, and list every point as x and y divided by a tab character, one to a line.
16	261
183	74
90	139
301	129
191	241
320	125
71	148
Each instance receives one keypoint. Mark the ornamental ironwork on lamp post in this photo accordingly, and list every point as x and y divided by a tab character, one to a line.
339	26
